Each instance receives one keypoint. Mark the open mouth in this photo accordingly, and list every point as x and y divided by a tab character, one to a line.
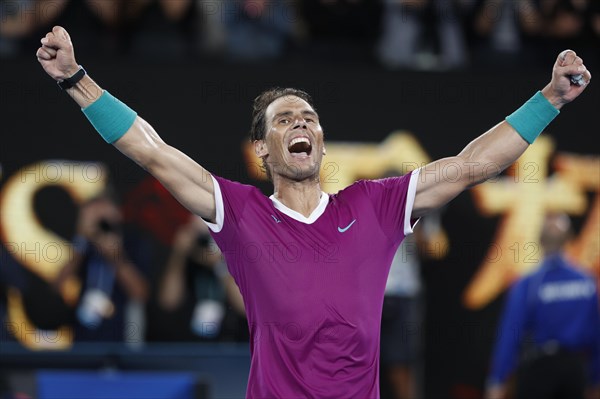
300	146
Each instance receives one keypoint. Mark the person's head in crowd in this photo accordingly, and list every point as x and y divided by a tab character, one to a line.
556	231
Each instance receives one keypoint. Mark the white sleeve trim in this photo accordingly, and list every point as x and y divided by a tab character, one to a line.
219	209
410	202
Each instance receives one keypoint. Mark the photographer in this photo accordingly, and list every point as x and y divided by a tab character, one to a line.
113	287
197	293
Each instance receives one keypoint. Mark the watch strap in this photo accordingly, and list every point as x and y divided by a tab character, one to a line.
72	81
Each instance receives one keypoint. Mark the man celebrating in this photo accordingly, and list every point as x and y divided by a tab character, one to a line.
311	266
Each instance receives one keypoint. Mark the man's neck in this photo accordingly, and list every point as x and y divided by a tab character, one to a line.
302	197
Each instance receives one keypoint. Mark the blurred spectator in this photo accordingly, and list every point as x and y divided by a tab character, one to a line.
164	28
21	19
196	288
339	29
408	34
257	29
99	25
111	266
160	28
211	30
564	19
404	42
401	322
570	24
507	31
552	319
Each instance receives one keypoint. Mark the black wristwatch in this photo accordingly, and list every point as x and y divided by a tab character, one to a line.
72	81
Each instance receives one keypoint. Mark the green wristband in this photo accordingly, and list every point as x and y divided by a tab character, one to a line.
110	117
532	118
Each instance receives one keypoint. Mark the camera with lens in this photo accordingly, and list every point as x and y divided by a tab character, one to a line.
107	226
202	240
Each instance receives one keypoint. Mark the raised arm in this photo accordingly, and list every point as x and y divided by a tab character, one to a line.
183	177
491	153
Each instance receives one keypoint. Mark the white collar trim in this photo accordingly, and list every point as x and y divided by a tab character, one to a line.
319	210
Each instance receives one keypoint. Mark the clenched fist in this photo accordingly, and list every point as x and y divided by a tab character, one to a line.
56	54
561	90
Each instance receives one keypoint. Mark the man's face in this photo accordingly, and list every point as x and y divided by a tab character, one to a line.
293	144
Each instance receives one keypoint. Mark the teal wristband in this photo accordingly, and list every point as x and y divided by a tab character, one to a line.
110	117
532	118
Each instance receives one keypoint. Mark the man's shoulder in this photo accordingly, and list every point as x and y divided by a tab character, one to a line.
369	186
362	184
571	268
232	186
357	188
579	272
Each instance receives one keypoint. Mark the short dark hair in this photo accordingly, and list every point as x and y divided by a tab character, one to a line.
258	129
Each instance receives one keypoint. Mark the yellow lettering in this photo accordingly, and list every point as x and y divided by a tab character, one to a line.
524	198
36	247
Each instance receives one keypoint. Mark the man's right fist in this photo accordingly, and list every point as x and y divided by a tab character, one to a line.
56	54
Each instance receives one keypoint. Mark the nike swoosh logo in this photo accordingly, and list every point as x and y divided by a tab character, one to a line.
275	219
347	227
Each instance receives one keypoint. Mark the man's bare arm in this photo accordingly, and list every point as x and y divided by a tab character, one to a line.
491	153
183	177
